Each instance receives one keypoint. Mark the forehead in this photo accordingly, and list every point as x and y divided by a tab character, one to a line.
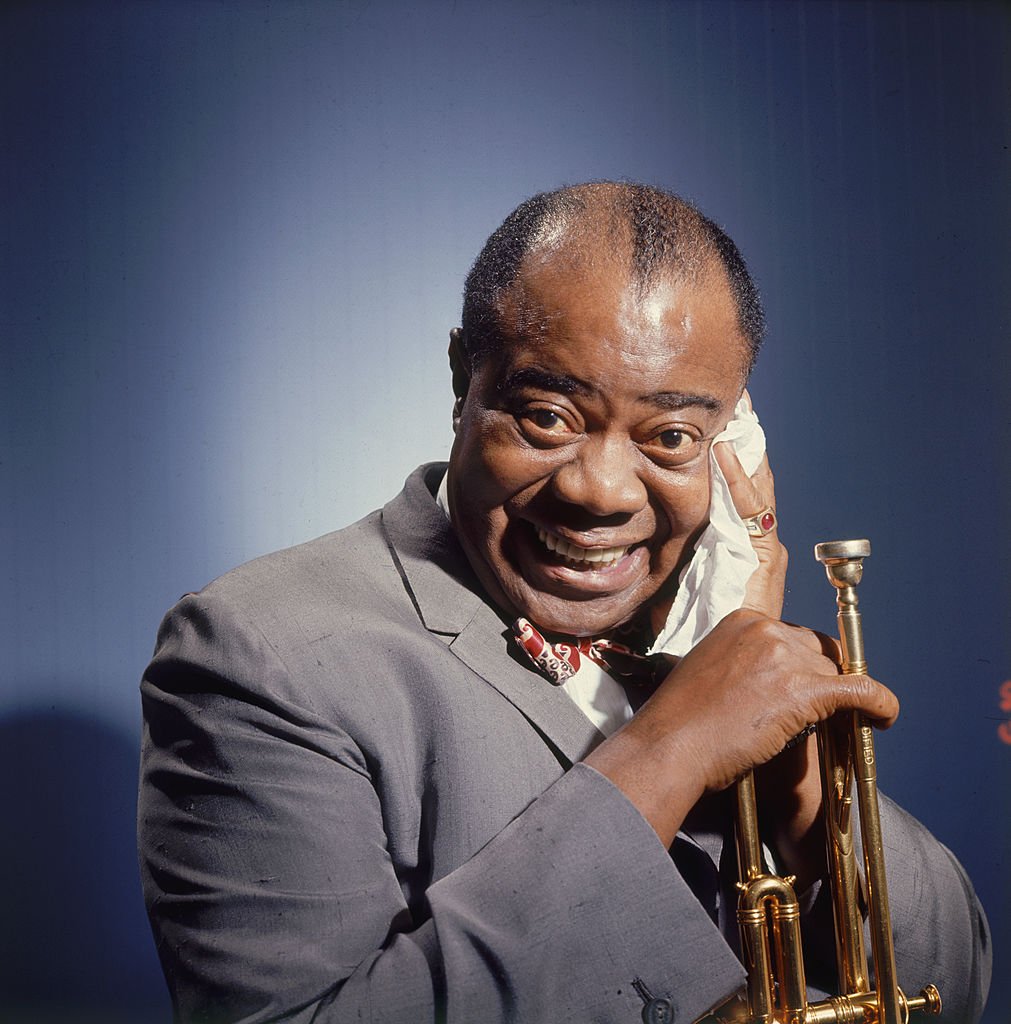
572	308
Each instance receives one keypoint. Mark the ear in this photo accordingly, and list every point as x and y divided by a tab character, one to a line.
459	365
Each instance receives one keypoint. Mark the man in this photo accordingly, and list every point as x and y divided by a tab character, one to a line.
361	799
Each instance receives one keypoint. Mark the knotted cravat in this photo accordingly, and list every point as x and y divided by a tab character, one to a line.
560	661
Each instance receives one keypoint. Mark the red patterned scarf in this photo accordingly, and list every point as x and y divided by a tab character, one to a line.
561	660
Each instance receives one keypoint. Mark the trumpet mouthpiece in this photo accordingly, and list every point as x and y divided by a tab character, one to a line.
829	551
843	560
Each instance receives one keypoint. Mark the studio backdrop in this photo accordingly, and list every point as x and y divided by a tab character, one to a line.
234	237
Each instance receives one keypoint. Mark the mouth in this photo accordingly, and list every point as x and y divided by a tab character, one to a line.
554	580
577	557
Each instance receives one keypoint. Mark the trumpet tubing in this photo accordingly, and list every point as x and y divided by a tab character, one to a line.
768	911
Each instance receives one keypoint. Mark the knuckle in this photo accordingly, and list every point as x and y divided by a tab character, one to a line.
742	617
774	632
868	689
774	638
780	555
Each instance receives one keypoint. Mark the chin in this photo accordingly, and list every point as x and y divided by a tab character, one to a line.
575	618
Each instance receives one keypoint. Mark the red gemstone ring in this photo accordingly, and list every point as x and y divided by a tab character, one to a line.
761	523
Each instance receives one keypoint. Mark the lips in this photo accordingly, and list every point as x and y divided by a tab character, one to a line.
576	556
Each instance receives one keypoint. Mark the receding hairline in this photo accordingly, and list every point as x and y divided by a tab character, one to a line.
655	235
590	247
577	254
607	215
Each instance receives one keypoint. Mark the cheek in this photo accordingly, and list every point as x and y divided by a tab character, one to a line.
499	466
685	502
488	478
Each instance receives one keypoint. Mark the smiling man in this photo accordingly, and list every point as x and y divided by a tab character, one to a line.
580	473
362	800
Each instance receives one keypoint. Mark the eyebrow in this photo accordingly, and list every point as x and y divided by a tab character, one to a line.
564	384
674	400
544	380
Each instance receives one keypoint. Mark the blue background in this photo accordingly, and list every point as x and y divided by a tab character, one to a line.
234	238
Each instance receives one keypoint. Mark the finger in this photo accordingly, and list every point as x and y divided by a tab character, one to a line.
764	481
871	698
816	655
830	647
744	493
826	645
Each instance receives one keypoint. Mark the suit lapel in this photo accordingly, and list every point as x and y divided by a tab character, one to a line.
451	603
432	564
486	647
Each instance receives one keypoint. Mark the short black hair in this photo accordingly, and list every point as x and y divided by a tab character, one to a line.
663	231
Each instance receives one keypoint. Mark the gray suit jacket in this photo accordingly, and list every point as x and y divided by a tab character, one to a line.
358	805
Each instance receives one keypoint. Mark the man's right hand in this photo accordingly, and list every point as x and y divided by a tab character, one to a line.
730	704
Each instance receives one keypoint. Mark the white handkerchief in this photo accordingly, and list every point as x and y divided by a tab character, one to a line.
712	584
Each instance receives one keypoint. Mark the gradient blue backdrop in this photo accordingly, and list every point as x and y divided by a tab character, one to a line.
234	237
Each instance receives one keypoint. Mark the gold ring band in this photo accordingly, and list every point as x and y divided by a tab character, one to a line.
761	523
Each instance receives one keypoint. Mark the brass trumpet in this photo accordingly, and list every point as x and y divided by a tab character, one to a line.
768	910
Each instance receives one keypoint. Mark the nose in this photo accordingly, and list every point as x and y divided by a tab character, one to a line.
601	478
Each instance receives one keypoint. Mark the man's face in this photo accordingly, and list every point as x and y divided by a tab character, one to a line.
579	478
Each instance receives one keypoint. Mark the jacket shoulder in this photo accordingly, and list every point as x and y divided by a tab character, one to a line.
352	564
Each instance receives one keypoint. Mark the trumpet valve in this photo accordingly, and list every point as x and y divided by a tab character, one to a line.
928	1001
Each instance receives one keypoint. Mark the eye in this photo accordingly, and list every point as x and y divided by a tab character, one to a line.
673	446
546	420
674	439
546	426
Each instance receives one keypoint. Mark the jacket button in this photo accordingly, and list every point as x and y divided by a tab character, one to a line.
658	1011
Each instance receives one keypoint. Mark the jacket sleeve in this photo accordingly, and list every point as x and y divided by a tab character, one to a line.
273	896
940	931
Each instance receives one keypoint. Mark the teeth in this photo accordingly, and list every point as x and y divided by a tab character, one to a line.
580	556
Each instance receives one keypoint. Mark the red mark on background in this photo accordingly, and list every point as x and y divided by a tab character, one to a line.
1004	729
